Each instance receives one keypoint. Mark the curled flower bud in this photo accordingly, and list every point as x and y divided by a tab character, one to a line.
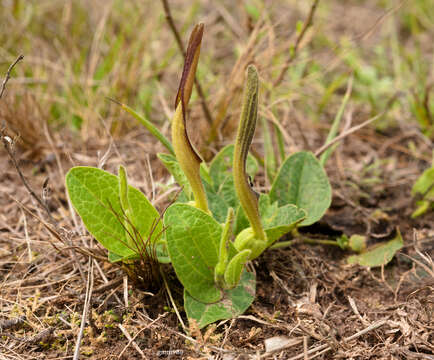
188	158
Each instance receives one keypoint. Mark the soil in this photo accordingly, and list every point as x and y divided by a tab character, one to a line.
305	293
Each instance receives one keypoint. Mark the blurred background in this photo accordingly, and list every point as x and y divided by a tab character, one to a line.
78	53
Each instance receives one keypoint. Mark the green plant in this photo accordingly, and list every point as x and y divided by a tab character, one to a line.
218	223
423	189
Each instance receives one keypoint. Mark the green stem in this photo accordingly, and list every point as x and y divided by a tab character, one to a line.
319	241
283	244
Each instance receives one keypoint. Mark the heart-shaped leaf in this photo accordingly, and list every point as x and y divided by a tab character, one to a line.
302	181
234	303
193	239
94	193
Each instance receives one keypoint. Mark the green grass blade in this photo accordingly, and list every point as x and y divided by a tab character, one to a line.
336	122
148	125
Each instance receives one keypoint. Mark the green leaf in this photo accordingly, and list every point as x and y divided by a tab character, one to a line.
235	268
241	222
302	181
234	303
378	255
278	221
216	203
172	165
204	173
343	241
282	221
114	258
160	251
222	177
193	243
93	191
422	207
425	185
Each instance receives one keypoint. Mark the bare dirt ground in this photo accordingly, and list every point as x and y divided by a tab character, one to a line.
308	299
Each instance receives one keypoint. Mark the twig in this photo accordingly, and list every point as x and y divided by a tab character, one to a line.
283	285
173	301
125	283
131	341
175	32
227	331
356	311
108	286
305	355
5	140
172	25
89	289
47	226
263	322
345	133
26	235
106	282
8	74
293	54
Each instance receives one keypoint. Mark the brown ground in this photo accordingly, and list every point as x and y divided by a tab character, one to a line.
320	306
305	293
